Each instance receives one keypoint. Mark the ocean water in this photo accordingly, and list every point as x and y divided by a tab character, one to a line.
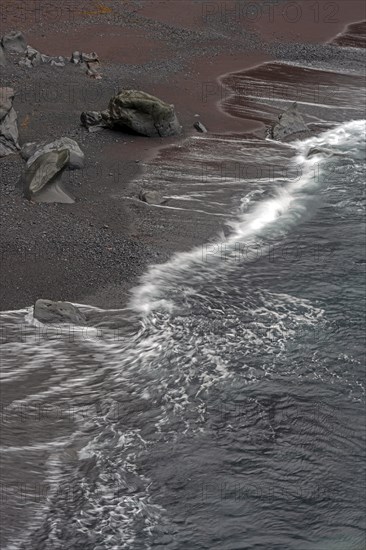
224	408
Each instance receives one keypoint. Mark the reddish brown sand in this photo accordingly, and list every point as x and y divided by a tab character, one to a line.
191	83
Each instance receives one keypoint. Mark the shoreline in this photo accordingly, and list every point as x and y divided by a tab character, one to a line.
97	264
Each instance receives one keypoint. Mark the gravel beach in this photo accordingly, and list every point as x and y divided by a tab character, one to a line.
93	250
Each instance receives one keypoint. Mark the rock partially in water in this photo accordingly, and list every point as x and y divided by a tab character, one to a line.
137	111
76	156
200	127
151	197
9	135
290	125
14	41
48	311
324	151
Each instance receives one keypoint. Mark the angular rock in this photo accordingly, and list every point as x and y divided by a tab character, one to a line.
14	42
151	197
42	182
93	71
75	58
290	125
9	135
94	118
6	101
89	57
28	150
200	127
34	56
2	57
48	311
76	156
57	61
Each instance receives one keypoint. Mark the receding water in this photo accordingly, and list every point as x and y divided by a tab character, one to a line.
225	407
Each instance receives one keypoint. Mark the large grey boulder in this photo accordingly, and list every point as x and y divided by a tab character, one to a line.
140	112
76	156
14	42
9	135
290	125
48	311
42	179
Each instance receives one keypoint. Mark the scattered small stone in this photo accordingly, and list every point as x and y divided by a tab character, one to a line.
28	150
89	57
2	57
75	58
95	129
34	58
200	127
9	134
151	197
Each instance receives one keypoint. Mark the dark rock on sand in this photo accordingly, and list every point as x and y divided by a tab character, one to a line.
140	112
28	150
9	134
75	58
81	57
93	118
151	197
200	127
48	311
14	42
2	57
290	125
76	156
93	70
34	58
89	57
41	181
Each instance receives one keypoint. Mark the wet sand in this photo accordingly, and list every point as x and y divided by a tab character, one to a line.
93	251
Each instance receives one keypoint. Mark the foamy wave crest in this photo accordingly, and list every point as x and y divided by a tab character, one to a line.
272	217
